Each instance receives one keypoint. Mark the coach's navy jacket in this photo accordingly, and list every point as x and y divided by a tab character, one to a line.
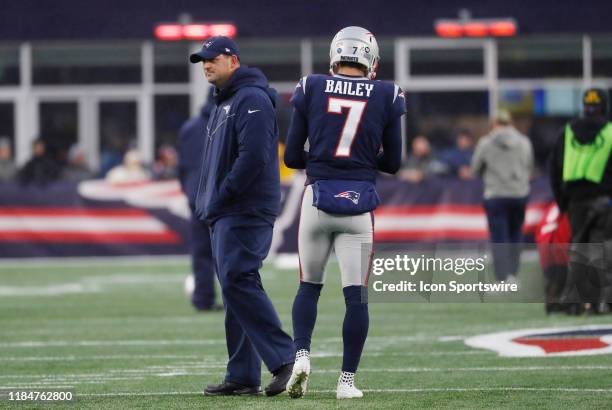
190	149
240	173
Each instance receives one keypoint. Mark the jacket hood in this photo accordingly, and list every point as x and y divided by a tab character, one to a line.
209	105
207	108
586	129
505	138
245	77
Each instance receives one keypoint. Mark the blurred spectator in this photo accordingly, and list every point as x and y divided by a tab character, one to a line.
459	158
440	135
76	169
421	162
132	169
7	166
41	169
504	158
167	162
113	152
191	140
581	178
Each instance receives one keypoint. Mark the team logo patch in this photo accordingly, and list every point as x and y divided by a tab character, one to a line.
350	195
550	342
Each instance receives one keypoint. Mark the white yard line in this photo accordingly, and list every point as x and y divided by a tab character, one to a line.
59	325
128	394
97	343
451	338
197	342
183	371
33	387
199	358
94	284
102	357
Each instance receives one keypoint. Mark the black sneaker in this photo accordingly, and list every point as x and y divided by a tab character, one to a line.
231	389
278	384
213	308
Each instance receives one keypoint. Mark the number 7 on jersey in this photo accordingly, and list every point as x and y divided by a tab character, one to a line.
351	124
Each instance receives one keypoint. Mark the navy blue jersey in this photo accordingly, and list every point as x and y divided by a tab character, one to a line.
352	125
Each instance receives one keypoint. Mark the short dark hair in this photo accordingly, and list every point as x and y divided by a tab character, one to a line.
352	64
39	140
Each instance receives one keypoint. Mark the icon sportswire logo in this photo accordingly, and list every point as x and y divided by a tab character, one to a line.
350	195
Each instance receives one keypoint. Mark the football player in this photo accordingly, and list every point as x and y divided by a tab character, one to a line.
350	125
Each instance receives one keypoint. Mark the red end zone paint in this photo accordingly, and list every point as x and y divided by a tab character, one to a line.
547	342
564	345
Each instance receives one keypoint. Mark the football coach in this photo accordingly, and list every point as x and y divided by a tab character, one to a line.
239	198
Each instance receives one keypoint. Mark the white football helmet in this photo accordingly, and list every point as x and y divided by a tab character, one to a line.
355	45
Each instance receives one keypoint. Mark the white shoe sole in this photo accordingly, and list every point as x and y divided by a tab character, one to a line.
297	389
339	397
344	394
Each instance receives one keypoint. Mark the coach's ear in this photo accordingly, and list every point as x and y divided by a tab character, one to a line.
235	62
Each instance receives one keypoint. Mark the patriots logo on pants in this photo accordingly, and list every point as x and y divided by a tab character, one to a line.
351	195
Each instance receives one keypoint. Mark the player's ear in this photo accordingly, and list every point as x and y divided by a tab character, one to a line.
235	61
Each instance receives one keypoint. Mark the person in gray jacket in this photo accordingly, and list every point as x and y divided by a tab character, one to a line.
504	159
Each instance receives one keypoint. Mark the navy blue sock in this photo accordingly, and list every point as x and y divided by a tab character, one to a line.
304	313
355	327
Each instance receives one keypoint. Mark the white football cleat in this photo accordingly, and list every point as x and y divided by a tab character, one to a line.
346	387
296	386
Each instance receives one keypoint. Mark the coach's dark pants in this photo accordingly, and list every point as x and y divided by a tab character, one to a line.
505	217
202	265
252	328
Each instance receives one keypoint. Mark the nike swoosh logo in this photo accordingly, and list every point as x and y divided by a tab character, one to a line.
252	111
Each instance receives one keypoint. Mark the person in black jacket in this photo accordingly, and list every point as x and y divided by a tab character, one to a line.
41	169
239	198
581	178
190	148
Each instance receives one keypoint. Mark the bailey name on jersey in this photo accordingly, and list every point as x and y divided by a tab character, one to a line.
335	86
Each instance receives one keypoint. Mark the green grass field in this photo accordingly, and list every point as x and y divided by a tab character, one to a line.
122	335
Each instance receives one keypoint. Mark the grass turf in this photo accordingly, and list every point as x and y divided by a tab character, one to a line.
122	335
